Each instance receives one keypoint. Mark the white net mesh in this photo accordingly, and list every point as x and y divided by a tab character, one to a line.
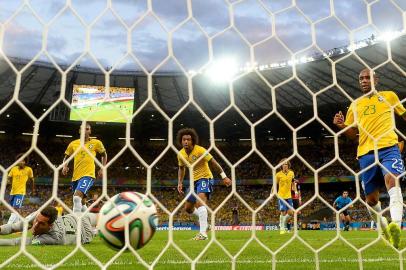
259	80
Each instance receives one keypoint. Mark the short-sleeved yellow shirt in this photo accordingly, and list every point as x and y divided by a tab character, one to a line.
201	169
374	118
83	162
284	181
19	179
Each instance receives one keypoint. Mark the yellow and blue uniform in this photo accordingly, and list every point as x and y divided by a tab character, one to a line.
84	166
373	116
18	185
202	174
284	181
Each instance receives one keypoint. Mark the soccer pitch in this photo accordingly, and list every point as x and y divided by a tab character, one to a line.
106	112
294	256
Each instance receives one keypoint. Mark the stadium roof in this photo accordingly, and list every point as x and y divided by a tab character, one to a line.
41	82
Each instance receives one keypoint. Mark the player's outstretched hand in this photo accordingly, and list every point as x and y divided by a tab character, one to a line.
227	181
180	188
65	170
339	119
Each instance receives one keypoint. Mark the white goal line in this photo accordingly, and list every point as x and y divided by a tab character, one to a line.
83	263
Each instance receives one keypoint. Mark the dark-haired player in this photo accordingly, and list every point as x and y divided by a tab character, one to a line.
341	202
84	167
49	229
202	176
372	116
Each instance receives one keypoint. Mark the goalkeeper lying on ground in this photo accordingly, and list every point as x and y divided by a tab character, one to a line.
48	229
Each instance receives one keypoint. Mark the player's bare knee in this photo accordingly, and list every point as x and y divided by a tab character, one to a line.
372	200
79	193
391	181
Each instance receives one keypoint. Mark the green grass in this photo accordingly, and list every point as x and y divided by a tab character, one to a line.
294	256
107	112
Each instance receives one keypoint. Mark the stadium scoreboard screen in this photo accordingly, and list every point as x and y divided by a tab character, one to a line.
94	103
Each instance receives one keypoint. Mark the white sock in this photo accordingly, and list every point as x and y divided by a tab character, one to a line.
13	218
285	219
202	210
383	222
195	212
280	222
396	205
84	208
77	204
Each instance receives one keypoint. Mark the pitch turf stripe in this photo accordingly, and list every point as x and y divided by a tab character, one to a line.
174	262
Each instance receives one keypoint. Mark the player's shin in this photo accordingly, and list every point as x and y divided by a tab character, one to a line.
285	219
382	220
195	212
77	204
396	205
202	210
13	218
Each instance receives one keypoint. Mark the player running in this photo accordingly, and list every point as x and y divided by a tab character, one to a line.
18	176
49	229
284	180
84	167
371	115
341	202
202	176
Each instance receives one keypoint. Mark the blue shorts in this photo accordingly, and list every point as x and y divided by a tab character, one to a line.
83	184
283	204
373	178
16	200
203	185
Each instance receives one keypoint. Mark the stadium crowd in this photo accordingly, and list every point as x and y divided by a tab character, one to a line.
253	167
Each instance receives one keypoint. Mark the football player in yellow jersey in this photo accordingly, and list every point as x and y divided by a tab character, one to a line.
18	176
84	167
284	180
202	176
372	117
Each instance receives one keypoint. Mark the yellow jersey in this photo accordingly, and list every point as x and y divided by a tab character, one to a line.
19	179
201	169
83	162
284	181
373	116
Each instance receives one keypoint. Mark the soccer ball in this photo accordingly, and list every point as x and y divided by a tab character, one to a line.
142	220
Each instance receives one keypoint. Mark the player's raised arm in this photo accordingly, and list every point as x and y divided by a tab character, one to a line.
217	168
339	121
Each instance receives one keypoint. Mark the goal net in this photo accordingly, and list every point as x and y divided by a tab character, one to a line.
260	81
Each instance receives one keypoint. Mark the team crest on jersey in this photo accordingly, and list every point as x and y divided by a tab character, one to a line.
90	146
380	98
194	157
